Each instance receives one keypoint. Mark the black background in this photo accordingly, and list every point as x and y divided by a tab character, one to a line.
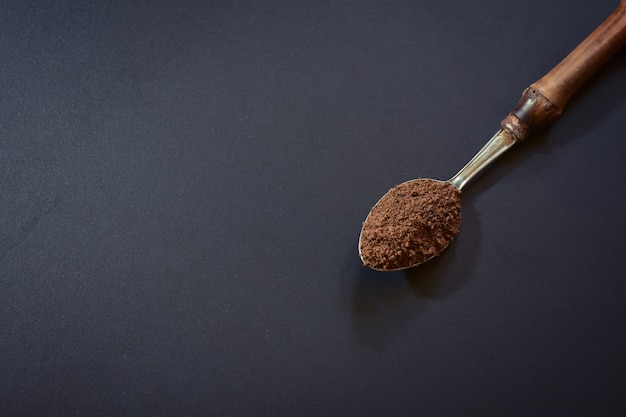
182	186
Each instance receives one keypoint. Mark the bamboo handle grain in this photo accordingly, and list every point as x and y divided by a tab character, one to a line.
545	99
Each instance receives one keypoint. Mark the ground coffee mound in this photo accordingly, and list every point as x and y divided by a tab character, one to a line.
412	223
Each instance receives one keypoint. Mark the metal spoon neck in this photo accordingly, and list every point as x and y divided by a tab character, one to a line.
496	146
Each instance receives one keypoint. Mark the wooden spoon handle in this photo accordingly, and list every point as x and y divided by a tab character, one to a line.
545	99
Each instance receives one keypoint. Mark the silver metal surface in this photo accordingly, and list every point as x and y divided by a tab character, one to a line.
495	147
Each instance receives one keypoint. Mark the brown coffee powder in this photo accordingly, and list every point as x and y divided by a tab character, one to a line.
413	222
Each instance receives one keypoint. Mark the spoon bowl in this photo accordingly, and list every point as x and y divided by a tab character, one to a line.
412	223
405	229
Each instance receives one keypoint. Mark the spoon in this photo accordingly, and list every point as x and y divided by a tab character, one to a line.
416	220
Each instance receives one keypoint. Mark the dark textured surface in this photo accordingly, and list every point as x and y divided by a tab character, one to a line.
182	186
